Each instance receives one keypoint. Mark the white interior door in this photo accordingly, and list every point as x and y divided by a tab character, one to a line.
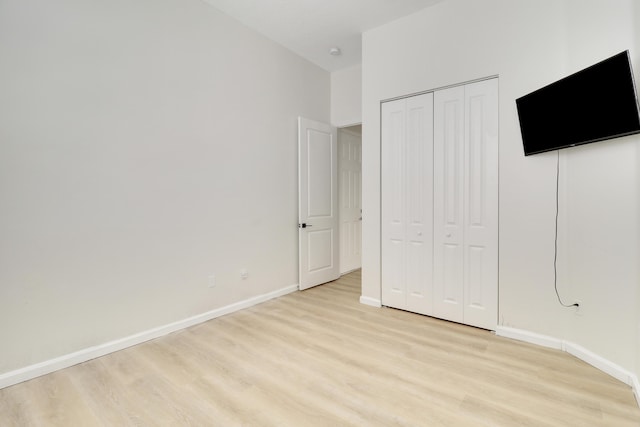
407	194
318	203
350	182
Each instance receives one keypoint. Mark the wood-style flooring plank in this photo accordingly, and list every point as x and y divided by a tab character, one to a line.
320	358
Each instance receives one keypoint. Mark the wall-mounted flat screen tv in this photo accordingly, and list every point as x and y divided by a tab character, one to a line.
594	104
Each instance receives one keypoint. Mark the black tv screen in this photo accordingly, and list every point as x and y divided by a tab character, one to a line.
591	105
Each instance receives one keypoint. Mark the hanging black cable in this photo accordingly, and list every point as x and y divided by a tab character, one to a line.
555	253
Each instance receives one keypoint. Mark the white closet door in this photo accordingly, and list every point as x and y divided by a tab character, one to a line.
481	208
448	168
466	204
393	204
407	192
419	204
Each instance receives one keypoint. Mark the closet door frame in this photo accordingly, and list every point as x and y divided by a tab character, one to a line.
465	222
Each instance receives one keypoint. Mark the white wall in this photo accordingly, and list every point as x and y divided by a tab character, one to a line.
346	96
602	196
144	144
528	44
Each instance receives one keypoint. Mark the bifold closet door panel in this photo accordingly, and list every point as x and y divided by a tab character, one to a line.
393	147
407	194
419	207
448	201
481	204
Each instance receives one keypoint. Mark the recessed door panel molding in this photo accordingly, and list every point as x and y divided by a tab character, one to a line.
320	257
417	286
476	161
394	274
321	155
475	274
450	303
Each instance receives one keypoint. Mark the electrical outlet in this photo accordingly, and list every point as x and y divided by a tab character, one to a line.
244	273
212	280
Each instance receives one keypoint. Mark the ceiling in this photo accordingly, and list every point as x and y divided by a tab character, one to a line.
311	27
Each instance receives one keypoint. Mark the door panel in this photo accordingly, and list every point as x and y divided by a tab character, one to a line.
448	242
481	213
317	203
419	185
407	191
350	163
393	204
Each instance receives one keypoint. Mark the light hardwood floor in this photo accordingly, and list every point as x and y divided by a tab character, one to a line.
320	358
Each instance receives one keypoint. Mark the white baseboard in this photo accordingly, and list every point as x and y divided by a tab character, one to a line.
576	350
599	362
29	372
636	388
530	337
370	301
